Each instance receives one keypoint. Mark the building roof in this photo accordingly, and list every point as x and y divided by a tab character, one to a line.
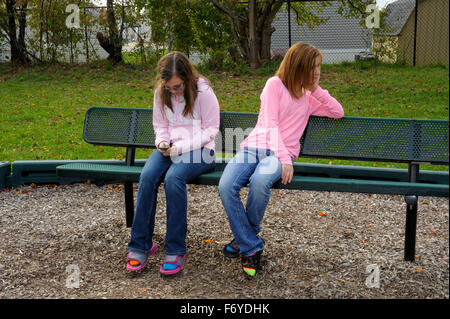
397	13
337	32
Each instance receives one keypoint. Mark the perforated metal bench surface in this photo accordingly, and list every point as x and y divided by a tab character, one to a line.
380	139
392	140
353	138
368	139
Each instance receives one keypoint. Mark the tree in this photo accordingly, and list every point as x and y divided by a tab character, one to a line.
113	42
8	15
188	26
251	21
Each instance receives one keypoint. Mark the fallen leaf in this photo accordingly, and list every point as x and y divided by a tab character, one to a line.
363	240
425	202
322	213
419	270
25	191
432	232
280	192
208	240
367	199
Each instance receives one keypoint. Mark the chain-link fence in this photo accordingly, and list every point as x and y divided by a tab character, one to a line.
419	31
408	35
52	40
414	32
339	38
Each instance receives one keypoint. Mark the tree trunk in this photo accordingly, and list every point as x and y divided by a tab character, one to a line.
253	43
113	43
253	31
18	51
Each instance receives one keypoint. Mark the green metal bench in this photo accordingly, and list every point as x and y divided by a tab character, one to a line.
367	139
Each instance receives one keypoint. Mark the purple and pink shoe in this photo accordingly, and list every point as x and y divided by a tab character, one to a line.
137	260
172	264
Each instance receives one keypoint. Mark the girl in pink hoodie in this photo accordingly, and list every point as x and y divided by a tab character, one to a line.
267	154
186	119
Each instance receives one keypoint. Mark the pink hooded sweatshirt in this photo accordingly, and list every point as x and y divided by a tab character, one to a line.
282	118
187	133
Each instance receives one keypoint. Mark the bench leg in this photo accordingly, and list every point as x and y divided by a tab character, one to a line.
410	227
129	203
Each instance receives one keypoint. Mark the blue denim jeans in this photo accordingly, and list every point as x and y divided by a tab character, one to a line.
175	173
261	168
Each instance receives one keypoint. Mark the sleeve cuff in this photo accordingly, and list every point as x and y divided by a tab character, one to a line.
318	93
286	160
159	141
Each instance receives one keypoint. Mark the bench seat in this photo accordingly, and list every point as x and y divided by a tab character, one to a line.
123	173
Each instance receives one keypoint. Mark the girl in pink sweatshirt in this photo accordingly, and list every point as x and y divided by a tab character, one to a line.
267	154
186	119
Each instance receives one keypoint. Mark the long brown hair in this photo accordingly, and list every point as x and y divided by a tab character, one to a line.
296	71
176	63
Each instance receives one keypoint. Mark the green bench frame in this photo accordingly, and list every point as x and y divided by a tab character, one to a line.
351	138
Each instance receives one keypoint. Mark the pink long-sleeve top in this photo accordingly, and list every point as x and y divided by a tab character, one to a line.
188	133
282	118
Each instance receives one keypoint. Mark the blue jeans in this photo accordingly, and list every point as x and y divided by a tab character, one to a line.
261	168
175	173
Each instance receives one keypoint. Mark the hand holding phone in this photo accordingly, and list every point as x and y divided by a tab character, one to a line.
164	147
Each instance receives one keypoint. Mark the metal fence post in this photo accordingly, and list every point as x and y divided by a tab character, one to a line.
415	32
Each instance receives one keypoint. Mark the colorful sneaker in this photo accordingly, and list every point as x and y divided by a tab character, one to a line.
231	250
251	264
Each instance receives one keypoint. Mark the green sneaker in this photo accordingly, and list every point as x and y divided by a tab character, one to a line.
251	264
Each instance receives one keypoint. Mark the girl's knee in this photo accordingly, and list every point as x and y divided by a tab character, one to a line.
222	187
172	178
227	188
148	178
260	183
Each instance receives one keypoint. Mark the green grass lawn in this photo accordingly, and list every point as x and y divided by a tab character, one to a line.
42	108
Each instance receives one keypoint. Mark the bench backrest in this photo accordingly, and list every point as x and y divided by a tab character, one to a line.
378	139
116	126
360	138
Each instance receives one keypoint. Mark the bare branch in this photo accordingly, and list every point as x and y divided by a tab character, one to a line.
222	8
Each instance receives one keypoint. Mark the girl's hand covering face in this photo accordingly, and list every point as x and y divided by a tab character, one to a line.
316	76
